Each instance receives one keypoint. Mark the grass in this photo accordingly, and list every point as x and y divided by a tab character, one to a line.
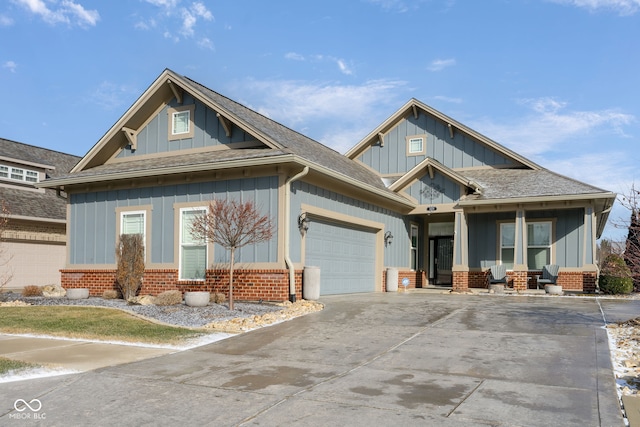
9	365
89	323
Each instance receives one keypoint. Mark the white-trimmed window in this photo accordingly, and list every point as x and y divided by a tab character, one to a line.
416	145
507	244
19	174
415	231
181	122
193	251
538	244
133	222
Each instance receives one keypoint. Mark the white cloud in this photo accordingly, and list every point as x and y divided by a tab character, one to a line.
622	7
392	5
341	63
65	12
5	21
448	99
187	18
10	65
112	96
441	64
549	125
352	110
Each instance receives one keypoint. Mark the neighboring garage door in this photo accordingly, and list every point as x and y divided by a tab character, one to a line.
345	255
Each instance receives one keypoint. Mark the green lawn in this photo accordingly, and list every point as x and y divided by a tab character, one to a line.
88	323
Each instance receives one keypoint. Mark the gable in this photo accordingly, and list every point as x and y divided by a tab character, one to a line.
388	149
209	130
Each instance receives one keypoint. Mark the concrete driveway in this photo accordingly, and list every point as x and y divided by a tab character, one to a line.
366	360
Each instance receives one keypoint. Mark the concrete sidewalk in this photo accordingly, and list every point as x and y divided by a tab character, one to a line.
371	359
74	355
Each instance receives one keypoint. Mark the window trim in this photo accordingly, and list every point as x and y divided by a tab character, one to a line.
414	251
181	244
171	112
423	151
551	242
526	245
131	210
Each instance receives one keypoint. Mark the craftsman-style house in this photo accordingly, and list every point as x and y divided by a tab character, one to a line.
421	193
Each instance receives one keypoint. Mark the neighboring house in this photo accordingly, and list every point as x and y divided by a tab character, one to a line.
33	249
454	201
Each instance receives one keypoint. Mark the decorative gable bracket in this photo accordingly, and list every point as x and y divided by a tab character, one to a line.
177	91
226	124
132	137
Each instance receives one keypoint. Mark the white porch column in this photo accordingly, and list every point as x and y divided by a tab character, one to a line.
460	268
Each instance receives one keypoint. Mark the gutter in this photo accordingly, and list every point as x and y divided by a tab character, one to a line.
287	232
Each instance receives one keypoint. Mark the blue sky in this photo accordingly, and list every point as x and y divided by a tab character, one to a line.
557	81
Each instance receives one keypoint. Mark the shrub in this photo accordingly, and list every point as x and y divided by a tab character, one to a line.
32	291
110	294
616	285
130	261
615	276
218	297
169	298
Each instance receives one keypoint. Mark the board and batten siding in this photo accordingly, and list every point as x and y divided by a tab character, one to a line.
461	151
208	132
396	255
438	190
569	235
93	219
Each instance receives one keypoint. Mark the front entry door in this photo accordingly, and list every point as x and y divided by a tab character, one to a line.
441	260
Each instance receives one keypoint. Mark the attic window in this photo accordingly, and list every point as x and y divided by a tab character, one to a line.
416	145
18	174
181	122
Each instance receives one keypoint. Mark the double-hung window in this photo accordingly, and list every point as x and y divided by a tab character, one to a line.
193	251
539	240
507	244
538	244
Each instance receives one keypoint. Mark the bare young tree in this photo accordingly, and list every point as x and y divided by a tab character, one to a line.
232	224
631	201
6	272
130	259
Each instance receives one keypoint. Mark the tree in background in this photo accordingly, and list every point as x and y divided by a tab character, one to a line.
632	245
130	269
6	273
232	224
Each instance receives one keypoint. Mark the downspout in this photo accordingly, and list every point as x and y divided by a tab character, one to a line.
287	232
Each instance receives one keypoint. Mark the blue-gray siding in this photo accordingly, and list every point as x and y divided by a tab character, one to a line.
93	218
459	152
434	191
208	132
569	235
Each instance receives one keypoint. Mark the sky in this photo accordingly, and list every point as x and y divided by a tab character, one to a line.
557	81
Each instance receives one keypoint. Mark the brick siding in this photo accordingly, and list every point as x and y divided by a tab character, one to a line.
248	285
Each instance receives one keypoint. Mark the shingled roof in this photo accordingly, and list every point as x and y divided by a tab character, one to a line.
21	200
500	184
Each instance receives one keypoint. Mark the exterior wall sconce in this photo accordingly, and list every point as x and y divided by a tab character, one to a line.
388	238
303	222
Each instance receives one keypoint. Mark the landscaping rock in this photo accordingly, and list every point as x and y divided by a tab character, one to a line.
142	300
53	291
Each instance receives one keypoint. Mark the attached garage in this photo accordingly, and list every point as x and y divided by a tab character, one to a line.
346	255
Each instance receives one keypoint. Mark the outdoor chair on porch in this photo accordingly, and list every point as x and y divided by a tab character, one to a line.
549	275
498	274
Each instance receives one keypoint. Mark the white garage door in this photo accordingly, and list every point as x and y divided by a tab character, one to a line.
345	255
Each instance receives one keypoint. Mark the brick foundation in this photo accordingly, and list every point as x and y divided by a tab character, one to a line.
248	285
417	279
521	280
